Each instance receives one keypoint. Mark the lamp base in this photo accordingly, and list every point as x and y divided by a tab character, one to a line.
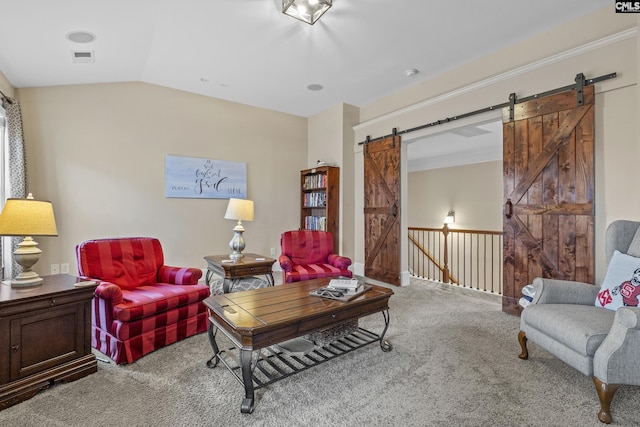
235	256
26	256
237	243
26	279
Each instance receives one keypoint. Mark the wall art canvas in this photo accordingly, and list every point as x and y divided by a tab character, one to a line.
194	177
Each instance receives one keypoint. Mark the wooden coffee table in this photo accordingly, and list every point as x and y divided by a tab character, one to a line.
255	320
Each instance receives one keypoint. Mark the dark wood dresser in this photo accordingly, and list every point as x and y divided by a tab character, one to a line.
45	336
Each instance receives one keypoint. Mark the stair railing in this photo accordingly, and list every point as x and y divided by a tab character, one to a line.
468	258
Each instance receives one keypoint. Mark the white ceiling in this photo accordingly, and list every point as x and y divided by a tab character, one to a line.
476	143
249	52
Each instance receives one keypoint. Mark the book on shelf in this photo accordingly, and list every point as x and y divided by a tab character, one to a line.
315	223
315	200
315	181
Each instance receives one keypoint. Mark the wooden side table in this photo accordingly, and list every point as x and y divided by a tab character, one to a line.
249	265
45	336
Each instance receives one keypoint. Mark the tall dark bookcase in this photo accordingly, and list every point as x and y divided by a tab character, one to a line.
320	200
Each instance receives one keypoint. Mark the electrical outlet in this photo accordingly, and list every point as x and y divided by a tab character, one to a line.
55	268
273	251
64	268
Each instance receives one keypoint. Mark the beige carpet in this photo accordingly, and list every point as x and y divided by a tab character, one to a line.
454	363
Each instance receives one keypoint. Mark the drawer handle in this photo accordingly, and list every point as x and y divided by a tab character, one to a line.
15	348
333	316
52	302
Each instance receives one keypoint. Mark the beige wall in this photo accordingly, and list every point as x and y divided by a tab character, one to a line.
97	152
474	192
330	139
351	116
598	44
325	137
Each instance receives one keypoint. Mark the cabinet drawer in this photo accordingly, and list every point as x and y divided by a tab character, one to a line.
337	316
249	271
46	302
323	322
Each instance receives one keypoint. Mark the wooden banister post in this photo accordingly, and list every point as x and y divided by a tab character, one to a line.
445	270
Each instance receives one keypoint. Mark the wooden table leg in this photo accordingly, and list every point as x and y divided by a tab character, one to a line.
247	379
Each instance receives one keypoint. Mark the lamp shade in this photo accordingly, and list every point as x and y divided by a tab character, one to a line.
239	209
27	217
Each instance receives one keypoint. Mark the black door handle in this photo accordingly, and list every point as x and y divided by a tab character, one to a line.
508	209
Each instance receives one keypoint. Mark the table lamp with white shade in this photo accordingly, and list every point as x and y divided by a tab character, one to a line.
241	210
27	217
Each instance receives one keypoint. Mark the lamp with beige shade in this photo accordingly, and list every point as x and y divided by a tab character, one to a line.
241	210
27	217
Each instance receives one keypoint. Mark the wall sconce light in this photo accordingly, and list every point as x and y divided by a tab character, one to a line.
308	11
26	218
450	218
242	210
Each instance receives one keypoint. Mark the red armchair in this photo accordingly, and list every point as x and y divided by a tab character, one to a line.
140	304
308	254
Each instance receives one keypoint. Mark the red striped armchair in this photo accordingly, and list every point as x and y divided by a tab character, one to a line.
308	254
140	304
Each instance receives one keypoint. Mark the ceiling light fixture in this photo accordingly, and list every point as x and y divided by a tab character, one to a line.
450	218
308	11
412	72
315	86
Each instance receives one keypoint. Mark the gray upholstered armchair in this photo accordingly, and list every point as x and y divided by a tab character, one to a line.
599	342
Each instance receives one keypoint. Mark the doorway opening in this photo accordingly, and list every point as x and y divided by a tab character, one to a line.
459	171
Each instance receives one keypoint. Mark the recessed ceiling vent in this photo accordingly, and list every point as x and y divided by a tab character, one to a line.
82	56
470	131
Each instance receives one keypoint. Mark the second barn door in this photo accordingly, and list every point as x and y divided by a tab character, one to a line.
548	187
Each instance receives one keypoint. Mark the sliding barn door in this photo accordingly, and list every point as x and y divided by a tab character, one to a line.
382	210
548	192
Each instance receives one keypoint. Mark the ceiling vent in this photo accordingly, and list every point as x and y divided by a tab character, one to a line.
470	131
82	56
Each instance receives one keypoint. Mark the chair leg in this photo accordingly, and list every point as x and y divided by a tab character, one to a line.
522	339
605	394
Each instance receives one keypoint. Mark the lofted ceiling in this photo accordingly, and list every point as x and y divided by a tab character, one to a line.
247	51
